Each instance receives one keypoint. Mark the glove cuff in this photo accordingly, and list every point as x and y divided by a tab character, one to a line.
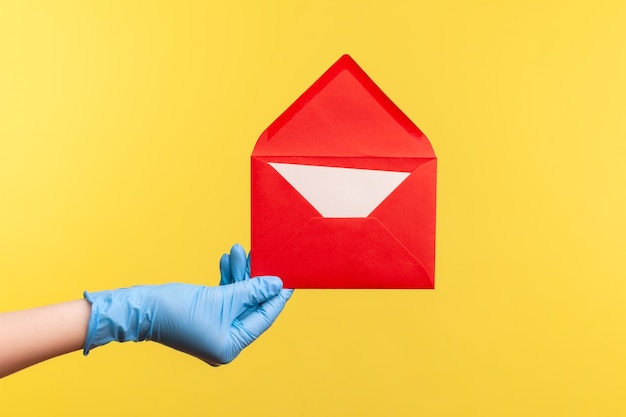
117	316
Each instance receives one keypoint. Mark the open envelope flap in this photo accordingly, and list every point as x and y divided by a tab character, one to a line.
344	114
347	253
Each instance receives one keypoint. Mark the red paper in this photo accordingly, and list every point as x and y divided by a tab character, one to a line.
344	121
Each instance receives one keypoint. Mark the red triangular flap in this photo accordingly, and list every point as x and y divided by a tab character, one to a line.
344	114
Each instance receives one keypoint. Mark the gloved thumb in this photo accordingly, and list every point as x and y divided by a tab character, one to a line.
246	329
255	291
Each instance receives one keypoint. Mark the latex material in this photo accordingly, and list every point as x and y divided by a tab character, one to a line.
211	323
235	267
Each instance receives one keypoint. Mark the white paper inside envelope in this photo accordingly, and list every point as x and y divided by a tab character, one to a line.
341	192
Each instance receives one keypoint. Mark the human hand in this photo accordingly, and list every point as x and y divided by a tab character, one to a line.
211	323
234	267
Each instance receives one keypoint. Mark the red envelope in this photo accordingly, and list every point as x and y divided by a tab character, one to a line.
343	190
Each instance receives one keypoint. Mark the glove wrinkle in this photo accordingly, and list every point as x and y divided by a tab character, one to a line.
211	323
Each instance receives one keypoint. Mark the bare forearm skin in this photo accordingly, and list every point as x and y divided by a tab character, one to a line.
31	336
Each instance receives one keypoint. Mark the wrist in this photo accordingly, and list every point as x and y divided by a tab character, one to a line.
118	315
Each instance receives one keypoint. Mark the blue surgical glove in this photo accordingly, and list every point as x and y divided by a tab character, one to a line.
235	267
211	323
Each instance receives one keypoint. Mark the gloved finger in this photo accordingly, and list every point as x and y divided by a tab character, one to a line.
238	263
252	292
262	317
225	274
286	294
248	274
245	313
246	330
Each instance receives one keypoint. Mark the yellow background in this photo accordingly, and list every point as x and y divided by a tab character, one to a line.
125	134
